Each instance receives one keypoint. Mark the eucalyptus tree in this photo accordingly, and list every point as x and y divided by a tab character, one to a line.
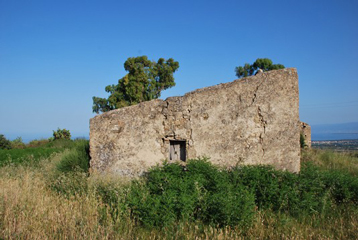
145	81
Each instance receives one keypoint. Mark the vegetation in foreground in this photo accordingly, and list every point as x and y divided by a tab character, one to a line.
57	198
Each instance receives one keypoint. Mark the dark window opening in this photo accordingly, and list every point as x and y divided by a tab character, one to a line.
177	150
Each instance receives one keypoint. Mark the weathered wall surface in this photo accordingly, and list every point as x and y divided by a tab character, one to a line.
306	132
253	120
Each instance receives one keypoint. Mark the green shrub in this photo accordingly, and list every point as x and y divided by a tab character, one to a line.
229	206
77	159
38	143
342	186
18	143
314	195
198	191
282	191
273	189
71	173
114	196
61	134
4	143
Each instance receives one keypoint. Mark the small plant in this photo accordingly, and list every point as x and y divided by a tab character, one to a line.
61	134
4	143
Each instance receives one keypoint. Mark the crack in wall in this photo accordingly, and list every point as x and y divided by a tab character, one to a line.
256	90
263	123
255	93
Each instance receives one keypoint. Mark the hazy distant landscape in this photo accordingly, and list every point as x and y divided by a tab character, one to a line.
339	131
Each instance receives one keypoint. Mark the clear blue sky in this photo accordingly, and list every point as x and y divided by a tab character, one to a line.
56	55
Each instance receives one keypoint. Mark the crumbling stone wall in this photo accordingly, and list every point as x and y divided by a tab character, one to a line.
253	120
306	132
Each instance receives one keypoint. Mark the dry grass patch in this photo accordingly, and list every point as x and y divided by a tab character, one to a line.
30	210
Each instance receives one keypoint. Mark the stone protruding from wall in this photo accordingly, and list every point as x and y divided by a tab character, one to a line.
253	120
306	132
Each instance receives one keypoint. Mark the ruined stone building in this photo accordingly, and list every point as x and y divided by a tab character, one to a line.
253	120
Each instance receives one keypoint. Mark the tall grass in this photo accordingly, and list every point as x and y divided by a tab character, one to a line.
36	150
346	162
197	202
30	210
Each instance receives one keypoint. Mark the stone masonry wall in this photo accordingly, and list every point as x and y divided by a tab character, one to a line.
253	120
306	132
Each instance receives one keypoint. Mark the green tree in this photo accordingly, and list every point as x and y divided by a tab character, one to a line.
145	81
4	143
61	134
264	64
18	143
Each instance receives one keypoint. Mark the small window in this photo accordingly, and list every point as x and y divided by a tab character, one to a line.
177	150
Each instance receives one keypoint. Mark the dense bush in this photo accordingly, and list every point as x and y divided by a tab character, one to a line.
342	186
204	192
273	189
77	159
311	191
18	143
4	143
61	134
114	195
70	177
198	191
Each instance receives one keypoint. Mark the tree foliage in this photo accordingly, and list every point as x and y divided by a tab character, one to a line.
18	143
145	81
264	64
61	134
4	143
